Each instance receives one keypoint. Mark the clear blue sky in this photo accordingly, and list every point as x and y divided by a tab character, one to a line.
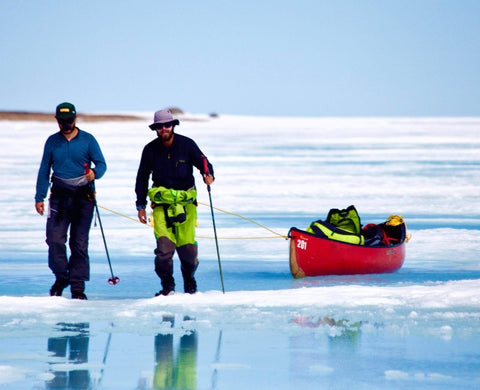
262	57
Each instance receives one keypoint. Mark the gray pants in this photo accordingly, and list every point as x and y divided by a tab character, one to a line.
75	213
188	255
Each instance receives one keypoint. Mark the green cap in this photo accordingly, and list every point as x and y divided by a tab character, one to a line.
65	111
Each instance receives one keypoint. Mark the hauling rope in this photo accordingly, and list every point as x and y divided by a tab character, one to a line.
276	235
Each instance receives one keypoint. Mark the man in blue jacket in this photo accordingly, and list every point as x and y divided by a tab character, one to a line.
170	159
69	154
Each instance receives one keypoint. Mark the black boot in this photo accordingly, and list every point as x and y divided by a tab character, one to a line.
164	292
78	289
79	295
190	286
57	288
168	285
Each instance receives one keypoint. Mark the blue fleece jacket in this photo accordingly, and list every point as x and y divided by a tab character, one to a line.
67	158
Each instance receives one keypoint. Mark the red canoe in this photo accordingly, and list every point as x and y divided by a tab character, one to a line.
311	255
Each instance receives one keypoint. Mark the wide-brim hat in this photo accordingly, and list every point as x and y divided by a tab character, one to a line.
65	111
163	116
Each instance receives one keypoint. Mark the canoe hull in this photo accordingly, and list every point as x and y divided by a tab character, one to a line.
311	255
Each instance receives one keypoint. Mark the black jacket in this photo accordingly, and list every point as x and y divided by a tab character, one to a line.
170	167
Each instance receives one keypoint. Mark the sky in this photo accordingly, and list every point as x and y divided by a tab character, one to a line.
271	57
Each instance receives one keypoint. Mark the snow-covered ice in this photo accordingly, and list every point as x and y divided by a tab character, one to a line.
416	328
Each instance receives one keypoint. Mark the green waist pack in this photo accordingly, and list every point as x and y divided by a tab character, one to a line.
173	202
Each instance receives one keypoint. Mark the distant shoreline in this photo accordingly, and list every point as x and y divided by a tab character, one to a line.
50	117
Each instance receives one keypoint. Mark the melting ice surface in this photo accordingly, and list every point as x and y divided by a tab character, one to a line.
416	328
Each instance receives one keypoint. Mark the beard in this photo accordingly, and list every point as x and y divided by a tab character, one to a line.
165	136
67	129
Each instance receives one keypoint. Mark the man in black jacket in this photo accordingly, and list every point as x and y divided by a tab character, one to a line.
170	159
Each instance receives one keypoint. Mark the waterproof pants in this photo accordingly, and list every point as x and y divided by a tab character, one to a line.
179	237
75	213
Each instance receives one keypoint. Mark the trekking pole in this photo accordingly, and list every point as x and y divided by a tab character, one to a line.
205	168
114	279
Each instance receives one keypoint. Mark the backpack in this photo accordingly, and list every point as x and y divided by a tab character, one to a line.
375	235
325	229
341	225
346	219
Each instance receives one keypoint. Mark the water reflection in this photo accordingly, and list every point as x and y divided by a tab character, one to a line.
320	357
175	369
71	349
313	352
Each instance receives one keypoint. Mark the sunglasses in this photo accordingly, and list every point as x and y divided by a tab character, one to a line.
159	126
66	121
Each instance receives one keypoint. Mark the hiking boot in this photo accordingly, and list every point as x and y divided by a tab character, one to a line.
190	286
164	292
57	288
168	285
79	295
